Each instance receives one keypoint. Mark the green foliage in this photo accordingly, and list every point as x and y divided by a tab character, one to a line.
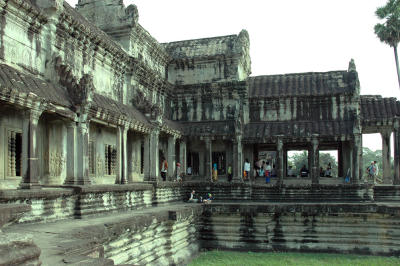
297	161
369	156
389	31
214	258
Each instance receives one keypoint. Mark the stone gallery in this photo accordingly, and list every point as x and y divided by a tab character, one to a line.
93	108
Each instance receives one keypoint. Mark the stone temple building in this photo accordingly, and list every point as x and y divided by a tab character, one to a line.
90	99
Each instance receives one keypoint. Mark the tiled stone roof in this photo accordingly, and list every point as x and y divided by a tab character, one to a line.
297	129
301	84
12	79
375	108
207	47
101	102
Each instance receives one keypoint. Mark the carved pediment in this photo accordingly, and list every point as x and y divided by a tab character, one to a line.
80	90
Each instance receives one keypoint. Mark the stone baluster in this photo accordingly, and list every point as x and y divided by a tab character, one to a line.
171	157
30	150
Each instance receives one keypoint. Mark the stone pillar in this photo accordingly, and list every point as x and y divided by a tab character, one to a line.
182	156
237	159
71	153
122	162
154	163
361	169
31	163
280	161
82	153
314	161
146	158
396	180
340	161
346	158
285	166
208	160
386	154
357	149
171	158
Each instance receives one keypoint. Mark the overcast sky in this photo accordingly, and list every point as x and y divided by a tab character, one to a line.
286	36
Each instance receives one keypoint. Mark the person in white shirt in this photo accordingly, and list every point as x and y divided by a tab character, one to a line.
246	169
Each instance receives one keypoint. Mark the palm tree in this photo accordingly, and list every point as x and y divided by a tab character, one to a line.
389	31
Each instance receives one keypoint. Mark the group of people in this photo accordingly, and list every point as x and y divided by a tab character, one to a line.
372	171
164	170
194	198
326	172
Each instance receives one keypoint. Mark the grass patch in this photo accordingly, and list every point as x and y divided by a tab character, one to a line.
232	258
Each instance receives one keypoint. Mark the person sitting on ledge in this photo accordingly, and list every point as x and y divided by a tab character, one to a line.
208	199
304	171
193	198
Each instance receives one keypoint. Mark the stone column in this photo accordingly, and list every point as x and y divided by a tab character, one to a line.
386	154
71	153
82	153
154	163
314	161
279	162
31	162
340	161
122	162
396	180
360	159
182	156
146	158
237	159
357	149
346	158
171	158
208	159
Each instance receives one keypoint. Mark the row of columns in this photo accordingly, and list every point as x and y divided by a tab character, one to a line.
77	162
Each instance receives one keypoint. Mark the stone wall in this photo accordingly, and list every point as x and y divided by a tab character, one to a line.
340	228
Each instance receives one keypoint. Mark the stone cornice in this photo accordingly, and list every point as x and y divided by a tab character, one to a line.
26	12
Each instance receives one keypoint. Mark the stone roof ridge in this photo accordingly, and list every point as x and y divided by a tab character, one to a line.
299	74
209	47
201	39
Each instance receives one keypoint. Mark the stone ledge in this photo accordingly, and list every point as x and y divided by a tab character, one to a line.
23	194
111	188
12	212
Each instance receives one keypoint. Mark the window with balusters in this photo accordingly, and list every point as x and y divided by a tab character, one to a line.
14	153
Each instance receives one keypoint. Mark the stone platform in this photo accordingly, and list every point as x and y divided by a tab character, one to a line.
158	236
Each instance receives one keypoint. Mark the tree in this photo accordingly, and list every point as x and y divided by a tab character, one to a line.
389	31
297	161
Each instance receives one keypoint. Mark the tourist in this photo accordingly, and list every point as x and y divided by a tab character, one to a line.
164	168
208	198
178	172
371	171
189	170
246	169
304	171
257	166
328	172
267	172
193	197
290	171
321	172
229	173
273	172
215	172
